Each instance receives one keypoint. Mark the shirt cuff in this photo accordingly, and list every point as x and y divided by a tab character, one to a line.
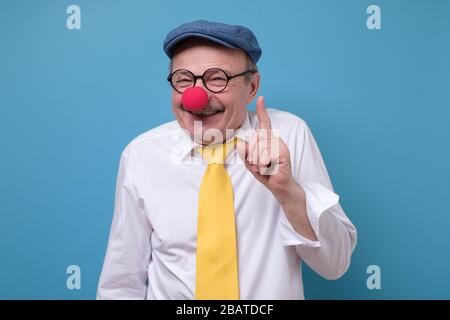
318	200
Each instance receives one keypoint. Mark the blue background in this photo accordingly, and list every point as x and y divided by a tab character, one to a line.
377	101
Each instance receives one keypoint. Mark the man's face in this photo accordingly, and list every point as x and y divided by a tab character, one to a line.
197	55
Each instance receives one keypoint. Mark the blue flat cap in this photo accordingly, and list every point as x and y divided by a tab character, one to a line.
230	36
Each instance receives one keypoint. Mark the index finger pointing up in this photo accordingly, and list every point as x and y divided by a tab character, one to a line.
263	117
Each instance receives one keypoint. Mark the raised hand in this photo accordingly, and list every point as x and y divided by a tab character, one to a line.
266	156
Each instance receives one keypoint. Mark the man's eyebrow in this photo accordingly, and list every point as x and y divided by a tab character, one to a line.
227	71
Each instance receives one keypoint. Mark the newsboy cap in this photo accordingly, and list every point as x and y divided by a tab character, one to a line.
230	36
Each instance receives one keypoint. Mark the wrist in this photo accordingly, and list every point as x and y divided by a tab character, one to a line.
290	194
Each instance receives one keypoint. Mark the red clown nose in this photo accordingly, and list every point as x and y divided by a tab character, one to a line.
194	99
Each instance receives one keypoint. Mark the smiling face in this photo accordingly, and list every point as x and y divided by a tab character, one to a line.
225	110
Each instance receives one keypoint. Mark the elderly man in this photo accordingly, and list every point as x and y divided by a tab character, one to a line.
194	221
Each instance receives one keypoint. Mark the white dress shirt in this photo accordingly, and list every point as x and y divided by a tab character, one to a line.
151	251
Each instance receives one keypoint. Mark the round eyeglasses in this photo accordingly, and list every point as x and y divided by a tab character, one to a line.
214	79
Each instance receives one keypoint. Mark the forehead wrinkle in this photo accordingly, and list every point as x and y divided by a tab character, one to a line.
199	66
198	59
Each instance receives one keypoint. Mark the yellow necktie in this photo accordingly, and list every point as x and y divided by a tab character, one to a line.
217	267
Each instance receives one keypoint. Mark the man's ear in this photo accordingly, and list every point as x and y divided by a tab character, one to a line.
254	87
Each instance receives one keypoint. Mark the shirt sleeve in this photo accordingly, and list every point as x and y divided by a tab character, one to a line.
330	255
124	274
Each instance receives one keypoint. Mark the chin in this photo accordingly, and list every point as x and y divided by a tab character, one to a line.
206	125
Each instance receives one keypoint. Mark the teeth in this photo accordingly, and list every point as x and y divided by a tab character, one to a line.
206	113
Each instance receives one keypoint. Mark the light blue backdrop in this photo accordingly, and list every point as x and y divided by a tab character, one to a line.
377	101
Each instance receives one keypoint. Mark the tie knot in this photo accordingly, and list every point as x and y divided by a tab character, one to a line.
217	153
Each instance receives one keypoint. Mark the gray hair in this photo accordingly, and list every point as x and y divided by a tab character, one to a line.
250	66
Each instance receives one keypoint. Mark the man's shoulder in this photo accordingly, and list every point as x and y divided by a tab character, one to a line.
147	139
280	119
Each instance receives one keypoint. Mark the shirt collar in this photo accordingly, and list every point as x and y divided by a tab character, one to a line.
184	144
